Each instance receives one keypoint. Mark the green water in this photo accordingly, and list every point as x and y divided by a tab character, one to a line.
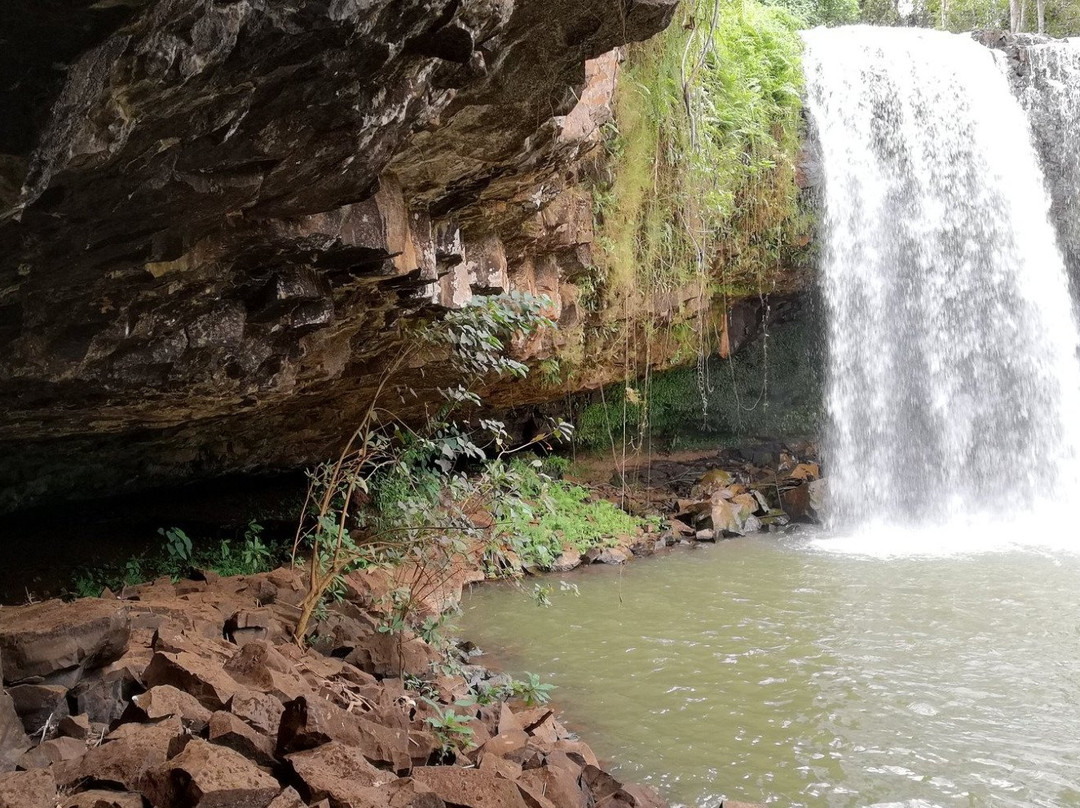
783	672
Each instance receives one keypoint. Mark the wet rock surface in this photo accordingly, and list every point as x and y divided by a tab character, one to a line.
212	215
209	722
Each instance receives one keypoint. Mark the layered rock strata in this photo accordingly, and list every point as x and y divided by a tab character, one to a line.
213	214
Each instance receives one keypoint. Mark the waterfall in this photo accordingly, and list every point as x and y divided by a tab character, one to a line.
954	388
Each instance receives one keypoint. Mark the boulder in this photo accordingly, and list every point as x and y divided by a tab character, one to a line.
288	798
569	559
55	750
607	792
38	705
227	730
469	788
804	502
391	655
125	756
559	779
614	555
735	516
308	723
207	776
104	694
100	798
259	666
504	743
32	789
75	726
43	638
200	677
13	740
712	481
258	710
162	701
338	773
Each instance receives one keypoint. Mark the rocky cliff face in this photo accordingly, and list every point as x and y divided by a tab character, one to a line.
1045	76
212	213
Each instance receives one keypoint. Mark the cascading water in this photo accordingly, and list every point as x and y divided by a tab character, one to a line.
954	387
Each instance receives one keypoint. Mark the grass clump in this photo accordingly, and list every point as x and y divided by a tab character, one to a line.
539	516
703	156
178	556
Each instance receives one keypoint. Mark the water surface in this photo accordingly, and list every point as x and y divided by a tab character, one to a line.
801	673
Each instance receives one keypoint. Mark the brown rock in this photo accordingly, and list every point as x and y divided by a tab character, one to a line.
505	743
559	779
388	656
42	638
259	666
534	797
38	705
680	528
469	788
162	701
203	679
104	694
100	798
578	750
508	719
507	769
340	774
75	726
308	723
13	740
614	555
124	758
608	792
33	789
805	472
259	710
288	798
253	624
422	745
567	560
209	776
712	481
52	751
228	730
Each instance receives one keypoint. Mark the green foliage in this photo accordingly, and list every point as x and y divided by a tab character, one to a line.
703	157
1062	17
537	517
772	388
531	690
396	494
177	544
812	13
177	556
452	730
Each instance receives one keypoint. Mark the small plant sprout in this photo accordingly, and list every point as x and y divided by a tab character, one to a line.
531	690
452	730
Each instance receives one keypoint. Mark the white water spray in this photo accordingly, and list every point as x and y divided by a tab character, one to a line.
954	387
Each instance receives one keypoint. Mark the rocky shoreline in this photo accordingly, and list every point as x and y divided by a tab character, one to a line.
194	692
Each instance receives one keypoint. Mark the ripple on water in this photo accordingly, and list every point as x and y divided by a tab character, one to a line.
765	670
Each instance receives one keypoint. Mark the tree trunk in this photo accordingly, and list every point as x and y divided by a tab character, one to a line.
1014	16
1040	10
